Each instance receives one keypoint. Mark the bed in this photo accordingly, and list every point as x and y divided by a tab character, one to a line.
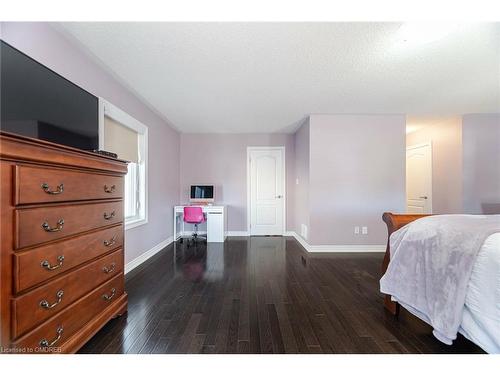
445	269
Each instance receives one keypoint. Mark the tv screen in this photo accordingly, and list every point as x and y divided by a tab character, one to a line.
202	192
39	103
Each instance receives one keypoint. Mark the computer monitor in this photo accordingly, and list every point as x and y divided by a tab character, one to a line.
202	194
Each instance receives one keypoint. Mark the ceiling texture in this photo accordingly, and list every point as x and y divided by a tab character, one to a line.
266	77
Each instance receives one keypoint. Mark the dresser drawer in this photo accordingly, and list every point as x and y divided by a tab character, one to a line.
62	326
38	225
42	185
45	301
42	263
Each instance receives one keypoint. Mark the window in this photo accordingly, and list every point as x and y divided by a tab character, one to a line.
134	192
122	134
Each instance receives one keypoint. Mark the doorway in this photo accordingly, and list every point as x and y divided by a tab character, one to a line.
419	179
266	191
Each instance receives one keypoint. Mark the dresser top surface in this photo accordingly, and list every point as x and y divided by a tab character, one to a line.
18	147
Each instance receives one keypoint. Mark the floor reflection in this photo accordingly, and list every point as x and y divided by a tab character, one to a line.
199	261
208	261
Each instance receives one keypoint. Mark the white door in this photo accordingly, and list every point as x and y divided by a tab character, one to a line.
267	191
419	179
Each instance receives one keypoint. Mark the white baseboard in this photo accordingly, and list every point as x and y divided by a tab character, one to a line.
299	239
244	233
237	233
336	248
147	254
346	248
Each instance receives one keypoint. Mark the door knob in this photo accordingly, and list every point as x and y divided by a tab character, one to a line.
279	196
423	197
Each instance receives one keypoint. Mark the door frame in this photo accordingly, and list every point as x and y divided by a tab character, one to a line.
283	160
419	145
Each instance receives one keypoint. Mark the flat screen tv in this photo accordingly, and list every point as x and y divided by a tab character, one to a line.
39	103
202	194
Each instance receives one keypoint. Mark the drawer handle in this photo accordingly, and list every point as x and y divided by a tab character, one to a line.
46	227
109	216
109	189
109	297
45	264
46	188
110	269
111	242
46	305
46	344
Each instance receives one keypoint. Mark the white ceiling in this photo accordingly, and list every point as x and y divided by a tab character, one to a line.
265	77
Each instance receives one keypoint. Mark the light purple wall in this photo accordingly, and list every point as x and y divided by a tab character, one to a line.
357	171
51	48
481	163
220	159
301	194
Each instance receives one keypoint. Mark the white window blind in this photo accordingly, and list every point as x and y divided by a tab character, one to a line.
121	140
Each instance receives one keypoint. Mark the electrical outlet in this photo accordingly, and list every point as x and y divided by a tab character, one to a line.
303	231
296	181
356	230
364	230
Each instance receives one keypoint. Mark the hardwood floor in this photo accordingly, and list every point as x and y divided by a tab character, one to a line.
261	295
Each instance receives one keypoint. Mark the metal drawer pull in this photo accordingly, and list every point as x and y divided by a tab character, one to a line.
110	269
45	264
110	297
111	242
46	188
45	344
110	216
46	305
109	189
46	227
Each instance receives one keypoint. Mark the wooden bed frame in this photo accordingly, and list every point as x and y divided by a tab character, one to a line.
394	222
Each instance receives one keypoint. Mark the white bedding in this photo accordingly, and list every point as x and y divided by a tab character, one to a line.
432	260
445	269
481	316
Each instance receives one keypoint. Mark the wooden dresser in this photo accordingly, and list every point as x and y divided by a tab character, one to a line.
62	230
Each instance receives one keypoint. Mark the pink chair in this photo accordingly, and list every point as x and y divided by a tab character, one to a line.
194	215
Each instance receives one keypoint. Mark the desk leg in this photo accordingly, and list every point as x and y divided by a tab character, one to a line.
176	214
175	226
181	215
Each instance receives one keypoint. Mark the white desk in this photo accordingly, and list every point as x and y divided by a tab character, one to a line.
216	222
